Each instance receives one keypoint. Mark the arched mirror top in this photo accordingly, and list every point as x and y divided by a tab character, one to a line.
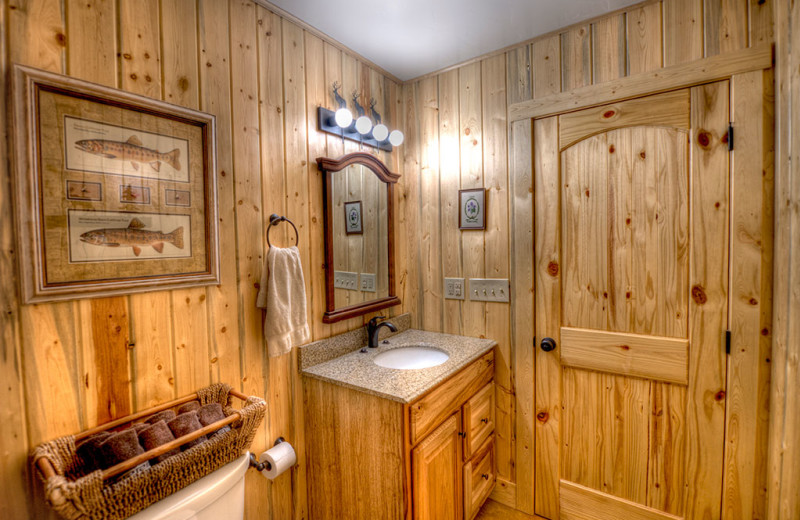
368	160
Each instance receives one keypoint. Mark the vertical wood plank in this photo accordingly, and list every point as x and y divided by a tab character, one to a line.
644	38
92	42
408	198
708	305
683	31
725	26
747	411
215	98
430	240
472	244
14	444
547	273
140	47
576	58
496	246
450	182
608	45
519	88
181	87
762	22
110	326
546	66
250	230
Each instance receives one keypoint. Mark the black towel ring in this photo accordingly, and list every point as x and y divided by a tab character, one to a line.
274	220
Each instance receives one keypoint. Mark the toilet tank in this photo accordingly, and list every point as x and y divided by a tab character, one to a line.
219	495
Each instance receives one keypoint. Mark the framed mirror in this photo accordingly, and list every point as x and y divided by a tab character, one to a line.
359	235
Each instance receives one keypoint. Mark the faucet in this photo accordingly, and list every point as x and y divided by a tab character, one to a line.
373	329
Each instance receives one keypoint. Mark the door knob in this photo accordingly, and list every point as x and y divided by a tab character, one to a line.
548	344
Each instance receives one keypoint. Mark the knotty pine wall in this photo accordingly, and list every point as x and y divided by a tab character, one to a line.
68	366
457	138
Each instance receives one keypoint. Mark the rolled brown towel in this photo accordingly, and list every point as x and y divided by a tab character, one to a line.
138	427
185	424
166	416
211	413
89	451
189	407
157	435
120	447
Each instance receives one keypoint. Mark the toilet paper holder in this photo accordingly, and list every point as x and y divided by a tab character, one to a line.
261	466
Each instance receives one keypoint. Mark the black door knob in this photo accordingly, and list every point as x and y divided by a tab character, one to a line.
548	344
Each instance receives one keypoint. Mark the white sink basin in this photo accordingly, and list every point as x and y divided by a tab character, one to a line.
411	357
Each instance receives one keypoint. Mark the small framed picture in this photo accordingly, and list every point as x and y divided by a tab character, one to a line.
472	209
352	217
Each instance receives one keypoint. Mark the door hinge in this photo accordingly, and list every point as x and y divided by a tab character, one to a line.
730	137
727	342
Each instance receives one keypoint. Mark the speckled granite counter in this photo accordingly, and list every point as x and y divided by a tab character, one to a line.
358	371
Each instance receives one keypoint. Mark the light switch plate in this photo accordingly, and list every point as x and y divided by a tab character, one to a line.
345	280
368	282
454	288
488	289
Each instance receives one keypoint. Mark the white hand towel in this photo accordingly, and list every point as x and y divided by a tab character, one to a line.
283	295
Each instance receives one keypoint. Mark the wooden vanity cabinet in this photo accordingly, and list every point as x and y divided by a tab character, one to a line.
432	459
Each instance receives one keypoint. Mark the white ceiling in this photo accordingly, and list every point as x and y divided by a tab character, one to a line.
409	38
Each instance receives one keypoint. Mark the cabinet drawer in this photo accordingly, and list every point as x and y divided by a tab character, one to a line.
478	419
444	400
479	478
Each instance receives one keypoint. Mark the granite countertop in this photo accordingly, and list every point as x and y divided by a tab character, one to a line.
358	371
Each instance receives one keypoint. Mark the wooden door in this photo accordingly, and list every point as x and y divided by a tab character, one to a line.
436	467
631	263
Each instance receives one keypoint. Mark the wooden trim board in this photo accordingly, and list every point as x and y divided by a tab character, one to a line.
582	503
697	72
651	357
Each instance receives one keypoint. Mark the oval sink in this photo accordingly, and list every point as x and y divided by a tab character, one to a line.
411	357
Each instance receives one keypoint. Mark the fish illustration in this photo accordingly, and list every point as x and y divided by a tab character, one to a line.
132	151
134	236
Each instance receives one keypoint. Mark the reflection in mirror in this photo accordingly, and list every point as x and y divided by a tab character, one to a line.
359	232
360	237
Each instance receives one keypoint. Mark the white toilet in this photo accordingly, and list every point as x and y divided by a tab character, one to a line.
218	496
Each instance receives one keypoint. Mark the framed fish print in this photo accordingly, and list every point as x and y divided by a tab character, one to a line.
472	209
114	193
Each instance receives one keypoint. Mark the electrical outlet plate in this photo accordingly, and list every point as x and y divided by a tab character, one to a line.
345	280
368	282
488	289
454	288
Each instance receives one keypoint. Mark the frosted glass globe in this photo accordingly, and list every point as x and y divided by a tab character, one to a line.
343	118
396	138
380	133
363	125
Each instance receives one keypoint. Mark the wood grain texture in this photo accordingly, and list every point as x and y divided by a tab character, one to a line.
576	58
669	78
436	466
609	49
650	357
346	415
784	446
644	38
750	312
582	503
683	31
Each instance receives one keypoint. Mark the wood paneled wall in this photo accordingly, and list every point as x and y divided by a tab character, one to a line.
68	366
458	137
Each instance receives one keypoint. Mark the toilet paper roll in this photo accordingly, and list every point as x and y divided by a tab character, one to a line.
279	458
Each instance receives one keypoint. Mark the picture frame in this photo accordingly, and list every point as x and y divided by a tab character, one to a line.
93	166
472	209
353	224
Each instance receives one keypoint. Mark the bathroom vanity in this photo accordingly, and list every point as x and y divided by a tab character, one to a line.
387	443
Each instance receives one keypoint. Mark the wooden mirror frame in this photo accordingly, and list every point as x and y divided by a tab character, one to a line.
328	167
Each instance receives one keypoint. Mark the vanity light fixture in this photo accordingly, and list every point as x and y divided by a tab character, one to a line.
341	123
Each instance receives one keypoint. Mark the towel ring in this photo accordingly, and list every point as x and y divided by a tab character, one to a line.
274	220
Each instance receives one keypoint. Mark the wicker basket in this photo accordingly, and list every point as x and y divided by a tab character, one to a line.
104	494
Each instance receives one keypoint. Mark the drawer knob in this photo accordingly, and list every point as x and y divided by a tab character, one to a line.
462	434
485	476
485	421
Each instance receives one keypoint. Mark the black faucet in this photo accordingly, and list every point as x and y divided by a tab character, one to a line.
373	328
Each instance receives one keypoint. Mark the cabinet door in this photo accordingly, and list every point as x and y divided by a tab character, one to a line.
436	470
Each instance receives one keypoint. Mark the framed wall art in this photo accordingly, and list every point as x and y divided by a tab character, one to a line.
472	209
352	218
114	192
